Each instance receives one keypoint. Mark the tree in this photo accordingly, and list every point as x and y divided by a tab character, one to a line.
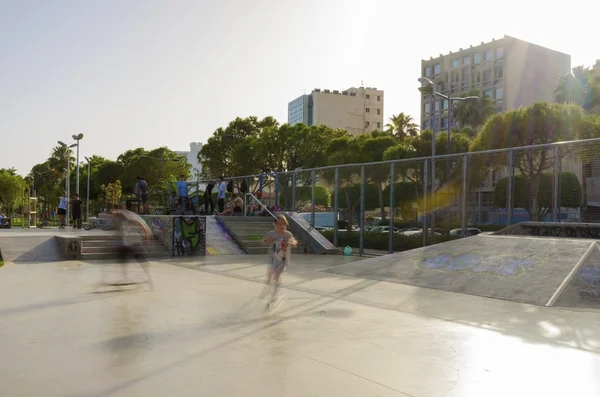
402	126
112	193
580	86
473	113
12	190
534	125
571	193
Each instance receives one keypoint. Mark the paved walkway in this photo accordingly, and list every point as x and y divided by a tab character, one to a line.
204	332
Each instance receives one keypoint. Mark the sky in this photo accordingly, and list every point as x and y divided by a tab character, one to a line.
151	73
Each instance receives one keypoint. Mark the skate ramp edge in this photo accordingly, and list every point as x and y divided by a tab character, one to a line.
31	249
304	231
532	270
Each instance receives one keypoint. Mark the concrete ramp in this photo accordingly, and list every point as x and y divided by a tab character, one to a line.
582	287
522	269
26	249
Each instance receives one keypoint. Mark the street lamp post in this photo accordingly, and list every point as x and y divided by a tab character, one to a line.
87	197
68	170
77	138
428	84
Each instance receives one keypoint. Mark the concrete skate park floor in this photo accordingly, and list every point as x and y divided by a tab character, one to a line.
204	332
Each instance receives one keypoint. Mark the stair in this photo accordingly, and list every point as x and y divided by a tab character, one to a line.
250	231
104	247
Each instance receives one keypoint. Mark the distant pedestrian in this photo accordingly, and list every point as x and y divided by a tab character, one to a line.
76	211
182	192
209	204
142	190
221	196
62	209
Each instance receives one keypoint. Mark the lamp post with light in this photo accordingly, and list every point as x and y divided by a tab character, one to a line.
77	138
68	170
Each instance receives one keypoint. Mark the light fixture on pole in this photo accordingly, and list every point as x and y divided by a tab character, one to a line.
68	171
87	197
77	138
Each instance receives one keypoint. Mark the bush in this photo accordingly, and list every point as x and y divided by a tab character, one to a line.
371	196
322	195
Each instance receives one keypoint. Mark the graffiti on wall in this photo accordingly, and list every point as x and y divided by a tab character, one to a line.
162	229
502	266
558	230
219	241
189	235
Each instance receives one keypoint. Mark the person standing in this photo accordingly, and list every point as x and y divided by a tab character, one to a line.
76	211
208	200
62	209
182	193
221	196
142	191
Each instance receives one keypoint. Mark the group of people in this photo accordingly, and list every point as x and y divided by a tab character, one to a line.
75	204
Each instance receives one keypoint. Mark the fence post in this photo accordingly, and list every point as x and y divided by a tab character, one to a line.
336	203
425	212
392	206
312	211
294	190
276	189
260	183
556	186
361	223
465	193
509	189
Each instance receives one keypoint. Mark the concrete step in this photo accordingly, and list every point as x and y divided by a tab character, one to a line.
264	250
112	255
115	243
258	243
239	219
112	250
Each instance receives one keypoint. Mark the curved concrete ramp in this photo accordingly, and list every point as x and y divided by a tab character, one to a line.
523	269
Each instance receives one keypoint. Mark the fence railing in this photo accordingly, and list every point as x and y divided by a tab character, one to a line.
488	189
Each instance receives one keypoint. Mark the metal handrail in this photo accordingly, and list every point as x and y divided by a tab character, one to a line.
409	160
260	203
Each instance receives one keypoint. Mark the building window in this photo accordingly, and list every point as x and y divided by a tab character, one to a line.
445	104
444	123
466	60
488	93
499	73
437	69
368	96
455	77
477	59
378	124
426	125
378	98
428	71
487	75
437	106
489	55
465	74
477	77
378	111
427	107
367	110
367	124
499	53
499	93
456	63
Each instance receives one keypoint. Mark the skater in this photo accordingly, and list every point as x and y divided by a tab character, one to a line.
133	231
76	211
62	209
280	242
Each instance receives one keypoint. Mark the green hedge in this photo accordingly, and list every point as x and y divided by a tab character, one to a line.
322	195
380	241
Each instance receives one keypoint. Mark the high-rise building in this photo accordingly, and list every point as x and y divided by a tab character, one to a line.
512	72
357	110
192	158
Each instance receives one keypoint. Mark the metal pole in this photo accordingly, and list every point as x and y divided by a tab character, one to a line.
312	211
294	190
276	189
77	176
448	150
464	194
509	189
68	184
87	199
392	206
361	247
555	185
336	203
425	212
433	201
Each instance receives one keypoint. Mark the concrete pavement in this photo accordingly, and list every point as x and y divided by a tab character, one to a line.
204	332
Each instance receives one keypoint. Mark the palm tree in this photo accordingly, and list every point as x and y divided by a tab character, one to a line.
473	113
402	126
575	87
58	159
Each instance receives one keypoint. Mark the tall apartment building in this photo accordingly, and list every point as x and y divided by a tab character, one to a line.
192	158
512	72
357	110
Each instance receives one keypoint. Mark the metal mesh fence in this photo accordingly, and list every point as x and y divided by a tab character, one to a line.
436	199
